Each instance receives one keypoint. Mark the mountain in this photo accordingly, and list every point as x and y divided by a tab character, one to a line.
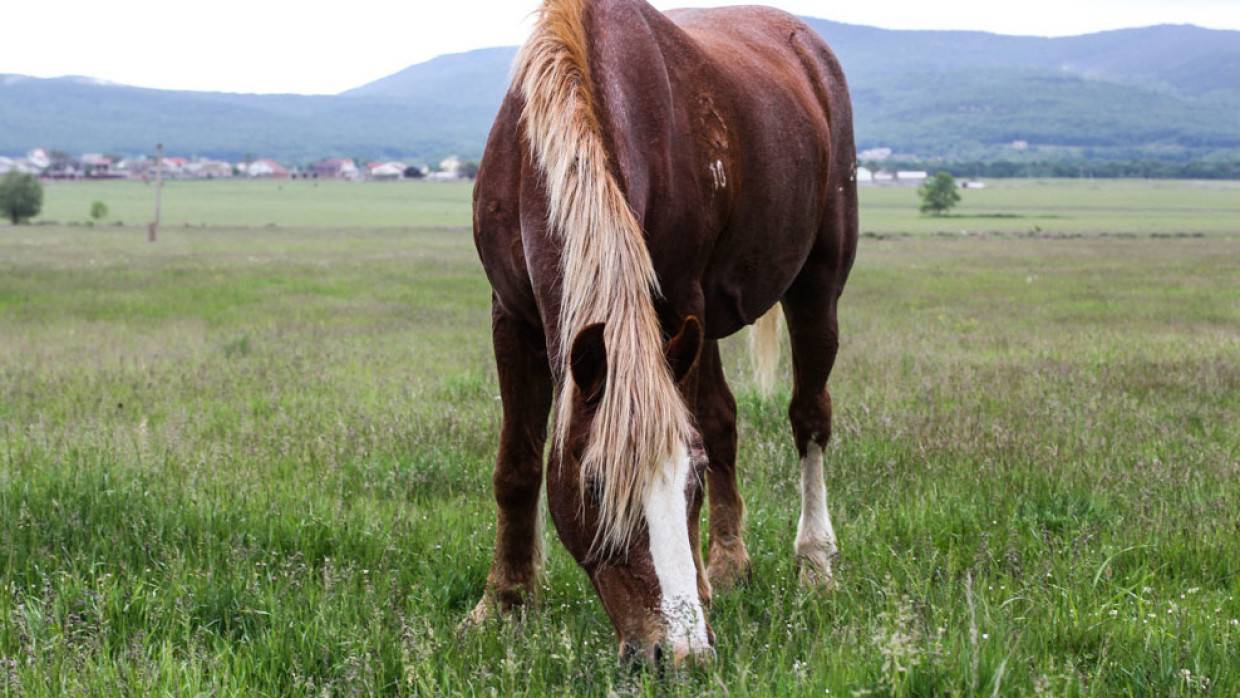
78	116
1156	91
1182	58
476	79
1169	92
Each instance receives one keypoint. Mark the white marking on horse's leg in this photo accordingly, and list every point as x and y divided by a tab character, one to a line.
540	531
816	545
667	520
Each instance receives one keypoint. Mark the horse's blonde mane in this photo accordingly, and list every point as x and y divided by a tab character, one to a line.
608	275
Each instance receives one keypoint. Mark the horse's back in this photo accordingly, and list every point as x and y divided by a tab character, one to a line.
766	49
793	151
732	152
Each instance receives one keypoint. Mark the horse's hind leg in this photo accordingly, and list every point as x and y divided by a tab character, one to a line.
809	308
526	389
716	417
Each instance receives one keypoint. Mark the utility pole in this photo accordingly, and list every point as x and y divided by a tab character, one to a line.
153	229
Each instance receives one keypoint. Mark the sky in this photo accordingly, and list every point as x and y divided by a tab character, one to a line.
316	47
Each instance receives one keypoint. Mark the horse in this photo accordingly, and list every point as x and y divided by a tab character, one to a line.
652	184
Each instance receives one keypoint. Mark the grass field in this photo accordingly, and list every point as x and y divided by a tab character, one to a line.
254	458
1012	207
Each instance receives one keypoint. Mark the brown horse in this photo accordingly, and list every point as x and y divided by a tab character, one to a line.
655	183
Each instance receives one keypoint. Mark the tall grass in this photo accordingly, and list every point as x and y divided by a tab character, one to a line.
256	462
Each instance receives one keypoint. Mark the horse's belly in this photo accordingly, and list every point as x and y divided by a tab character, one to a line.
744	281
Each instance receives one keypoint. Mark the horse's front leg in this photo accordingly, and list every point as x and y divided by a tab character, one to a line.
716	416
526	390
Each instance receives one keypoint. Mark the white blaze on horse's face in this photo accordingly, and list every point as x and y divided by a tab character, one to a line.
667	517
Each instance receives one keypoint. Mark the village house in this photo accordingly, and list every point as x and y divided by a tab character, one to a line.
334	168
901	177
387	171
135	168
449	170
20	165
204	168
451	165
96	166
174	166
39	158
265	169
63	167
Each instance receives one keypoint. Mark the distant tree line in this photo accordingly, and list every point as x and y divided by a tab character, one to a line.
1078	169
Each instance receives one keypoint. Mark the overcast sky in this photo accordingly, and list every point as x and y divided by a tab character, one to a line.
313	47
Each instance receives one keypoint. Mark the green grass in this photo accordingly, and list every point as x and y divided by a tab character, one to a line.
317	204
255	461
1045	207
1066	207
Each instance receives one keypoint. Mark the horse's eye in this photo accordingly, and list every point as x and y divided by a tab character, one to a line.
697	454
594	490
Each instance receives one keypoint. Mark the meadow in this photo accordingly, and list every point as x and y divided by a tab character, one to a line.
254	458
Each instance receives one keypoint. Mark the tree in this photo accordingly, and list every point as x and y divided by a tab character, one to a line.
939	194
21	197
414	172
469	169
98	211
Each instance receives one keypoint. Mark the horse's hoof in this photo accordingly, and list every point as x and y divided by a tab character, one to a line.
496	606
729	568
482	613
815	572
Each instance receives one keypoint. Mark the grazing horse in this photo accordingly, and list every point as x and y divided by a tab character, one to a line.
654	183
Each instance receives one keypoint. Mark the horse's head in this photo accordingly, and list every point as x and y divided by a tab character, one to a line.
649	581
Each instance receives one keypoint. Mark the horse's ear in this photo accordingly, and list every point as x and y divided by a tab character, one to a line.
683	350
589	363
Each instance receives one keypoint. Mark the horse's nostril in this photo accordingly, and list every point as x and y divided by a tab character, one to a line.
628	652
642	658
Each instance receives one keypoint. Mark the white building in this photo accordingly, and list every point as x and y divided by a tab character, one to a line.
337	168
204	168
388	170
451	165
865	176
267	169
39	158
